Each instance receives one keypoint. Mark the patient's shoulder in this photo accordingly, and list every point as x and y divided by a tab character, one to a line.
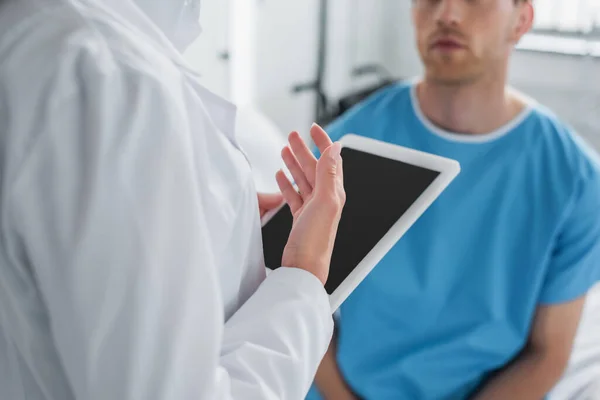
387	98
371	113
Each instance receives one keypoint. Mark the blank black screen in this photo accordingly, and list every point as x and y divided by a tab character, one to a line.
378	192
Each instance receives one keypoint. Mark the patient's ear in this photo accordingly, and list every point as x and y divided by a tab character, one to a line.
524	19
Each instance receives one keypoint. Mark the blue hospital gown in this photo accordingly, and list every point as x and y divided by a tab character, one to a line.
453	301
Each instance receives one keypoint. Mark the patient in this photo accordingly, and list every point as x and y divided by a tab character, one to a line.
482	297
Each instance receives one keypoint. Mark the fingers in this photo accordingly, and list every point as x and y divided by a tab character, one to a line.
268	201
330	183
305	157
320	137
290	194
304	168
298	174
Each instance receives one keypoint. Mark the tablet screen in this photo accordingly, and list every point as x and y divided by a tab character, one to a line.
378	192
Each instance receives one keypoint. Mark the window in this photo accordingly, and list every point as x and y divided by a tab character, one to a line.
567	16
566	27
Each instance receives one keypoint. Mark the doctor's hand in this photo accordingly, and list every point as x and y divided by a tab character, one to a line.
316	206
268	202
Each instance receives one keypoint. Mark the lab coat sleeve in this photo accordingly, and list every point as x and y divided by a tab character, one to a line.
107	210
270	332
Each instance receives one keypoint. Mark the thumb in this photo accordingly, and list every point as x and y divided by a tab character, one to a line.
329	169
269	200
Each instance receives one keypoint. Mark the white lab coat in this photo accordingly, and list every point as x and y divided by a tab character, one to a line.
130	249
262	142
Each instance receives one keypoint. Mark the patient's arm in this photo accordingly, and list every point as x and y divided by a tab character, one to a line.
329	379
541	364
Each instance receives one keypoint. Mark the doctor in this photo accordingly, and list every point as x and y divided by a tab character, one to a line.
130	256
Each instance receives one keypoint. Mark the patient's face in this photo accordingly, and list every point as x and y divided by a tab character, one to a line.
461	40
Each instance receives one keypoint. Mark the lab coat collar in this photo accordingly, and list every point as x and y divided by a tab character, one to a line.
177	21
142	16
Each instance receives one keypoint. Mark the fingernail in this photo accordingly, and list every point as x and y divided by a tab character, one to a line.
315	125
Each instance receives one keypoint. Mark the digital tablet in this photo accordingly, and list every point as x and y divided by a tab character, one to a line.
388	187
